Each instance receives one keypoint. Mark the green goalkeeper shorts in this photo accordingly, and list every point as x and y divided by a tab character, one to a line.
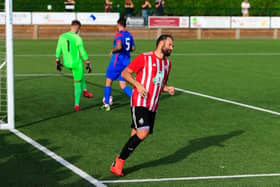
78	72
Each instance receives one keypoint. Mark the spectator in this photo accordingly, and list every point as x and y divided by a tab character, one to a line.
159	7
69	5
145	10
108	6
129	6
245	6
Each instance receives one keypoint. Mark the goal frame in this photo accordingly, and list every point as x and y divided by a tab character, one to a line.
10	66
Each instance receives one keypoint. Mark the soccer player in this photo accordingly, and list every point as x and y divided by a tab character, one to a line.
152	70
70	44
123	45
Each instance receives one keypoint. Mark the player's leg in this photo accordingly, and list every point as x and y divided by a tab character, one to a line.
140	130
77	94
86	93
107	94
110	77
126	89
77	76
127	150
133	132
134	141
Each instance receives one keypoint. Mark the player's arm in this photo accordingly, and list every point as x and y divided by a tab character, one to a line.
84	56
132	43
135	66
59	65
58	49
133	48
127	74
118	47
169	89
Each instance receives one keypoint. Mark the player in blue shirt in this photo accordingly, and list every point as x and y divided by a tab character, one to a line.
123	45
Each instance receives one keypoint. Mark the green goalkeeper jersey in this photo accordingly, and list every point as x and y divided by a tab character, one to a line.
72	48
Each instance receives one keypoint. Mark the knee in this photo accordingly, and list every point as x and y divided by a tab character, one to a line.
133	132
122	85
142	134
108	82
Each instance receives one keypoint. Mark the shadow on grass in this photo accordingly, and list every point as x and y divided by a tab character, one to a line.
24	79
56	116
194	146
22	165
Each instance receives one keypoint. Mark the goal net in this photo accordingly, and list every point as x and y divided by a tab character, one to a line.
6	66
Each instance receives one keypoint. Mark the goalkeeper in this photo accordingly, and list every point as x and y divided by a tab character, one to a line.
70	44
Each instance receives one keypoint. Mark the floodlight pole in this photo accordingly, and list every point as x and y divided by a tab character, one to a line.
10	63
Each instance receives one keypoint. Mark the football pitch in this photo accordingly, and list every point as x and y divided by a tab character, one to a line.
221	128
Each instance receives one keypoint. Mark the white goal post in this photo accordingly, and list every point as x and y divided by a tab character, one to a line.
7	72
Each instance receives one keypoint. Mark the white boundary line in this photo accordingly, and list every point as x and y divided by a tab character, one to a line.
191	178
228	101
3	64
59	159
174	54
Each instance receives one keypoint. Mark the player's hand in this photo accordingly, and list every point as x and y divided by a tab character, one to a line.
171	90
89	67
111	53
142	91
59	65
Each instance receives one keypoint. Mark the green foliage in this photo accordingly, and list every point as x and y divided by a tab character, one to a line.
178	7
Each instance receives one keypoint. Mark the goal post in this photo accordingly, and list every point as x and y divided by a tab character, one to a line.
7	111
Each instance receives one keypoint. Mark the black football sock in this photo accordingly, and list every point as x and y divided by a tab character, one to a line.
130	146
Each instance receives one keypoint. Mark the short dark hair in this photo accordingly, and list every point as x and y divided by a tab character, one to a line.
164	37
122	21
76	22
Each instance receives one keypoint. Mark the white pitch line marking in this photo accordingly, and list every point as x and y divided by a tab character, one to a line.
191	178
58	158
228	101
2	65
174	54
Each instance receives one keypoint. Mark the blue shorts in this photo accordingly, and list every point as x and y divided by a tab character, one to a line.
116	66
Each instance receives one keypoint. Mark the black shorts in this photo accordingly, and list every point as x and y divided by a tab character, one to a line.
142	118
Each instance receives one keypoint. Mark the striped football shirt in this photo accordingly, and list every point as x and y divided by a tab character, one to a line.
152	72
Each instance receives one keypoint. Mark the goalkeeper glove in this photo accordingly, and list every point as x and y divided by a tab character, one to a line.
59	65
89	67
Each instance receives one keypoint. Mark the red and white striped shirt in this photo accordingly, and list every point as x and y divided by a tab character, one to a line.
152	72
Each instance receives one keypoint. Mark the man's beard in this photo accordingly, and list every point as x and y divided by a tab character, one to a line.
166	52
